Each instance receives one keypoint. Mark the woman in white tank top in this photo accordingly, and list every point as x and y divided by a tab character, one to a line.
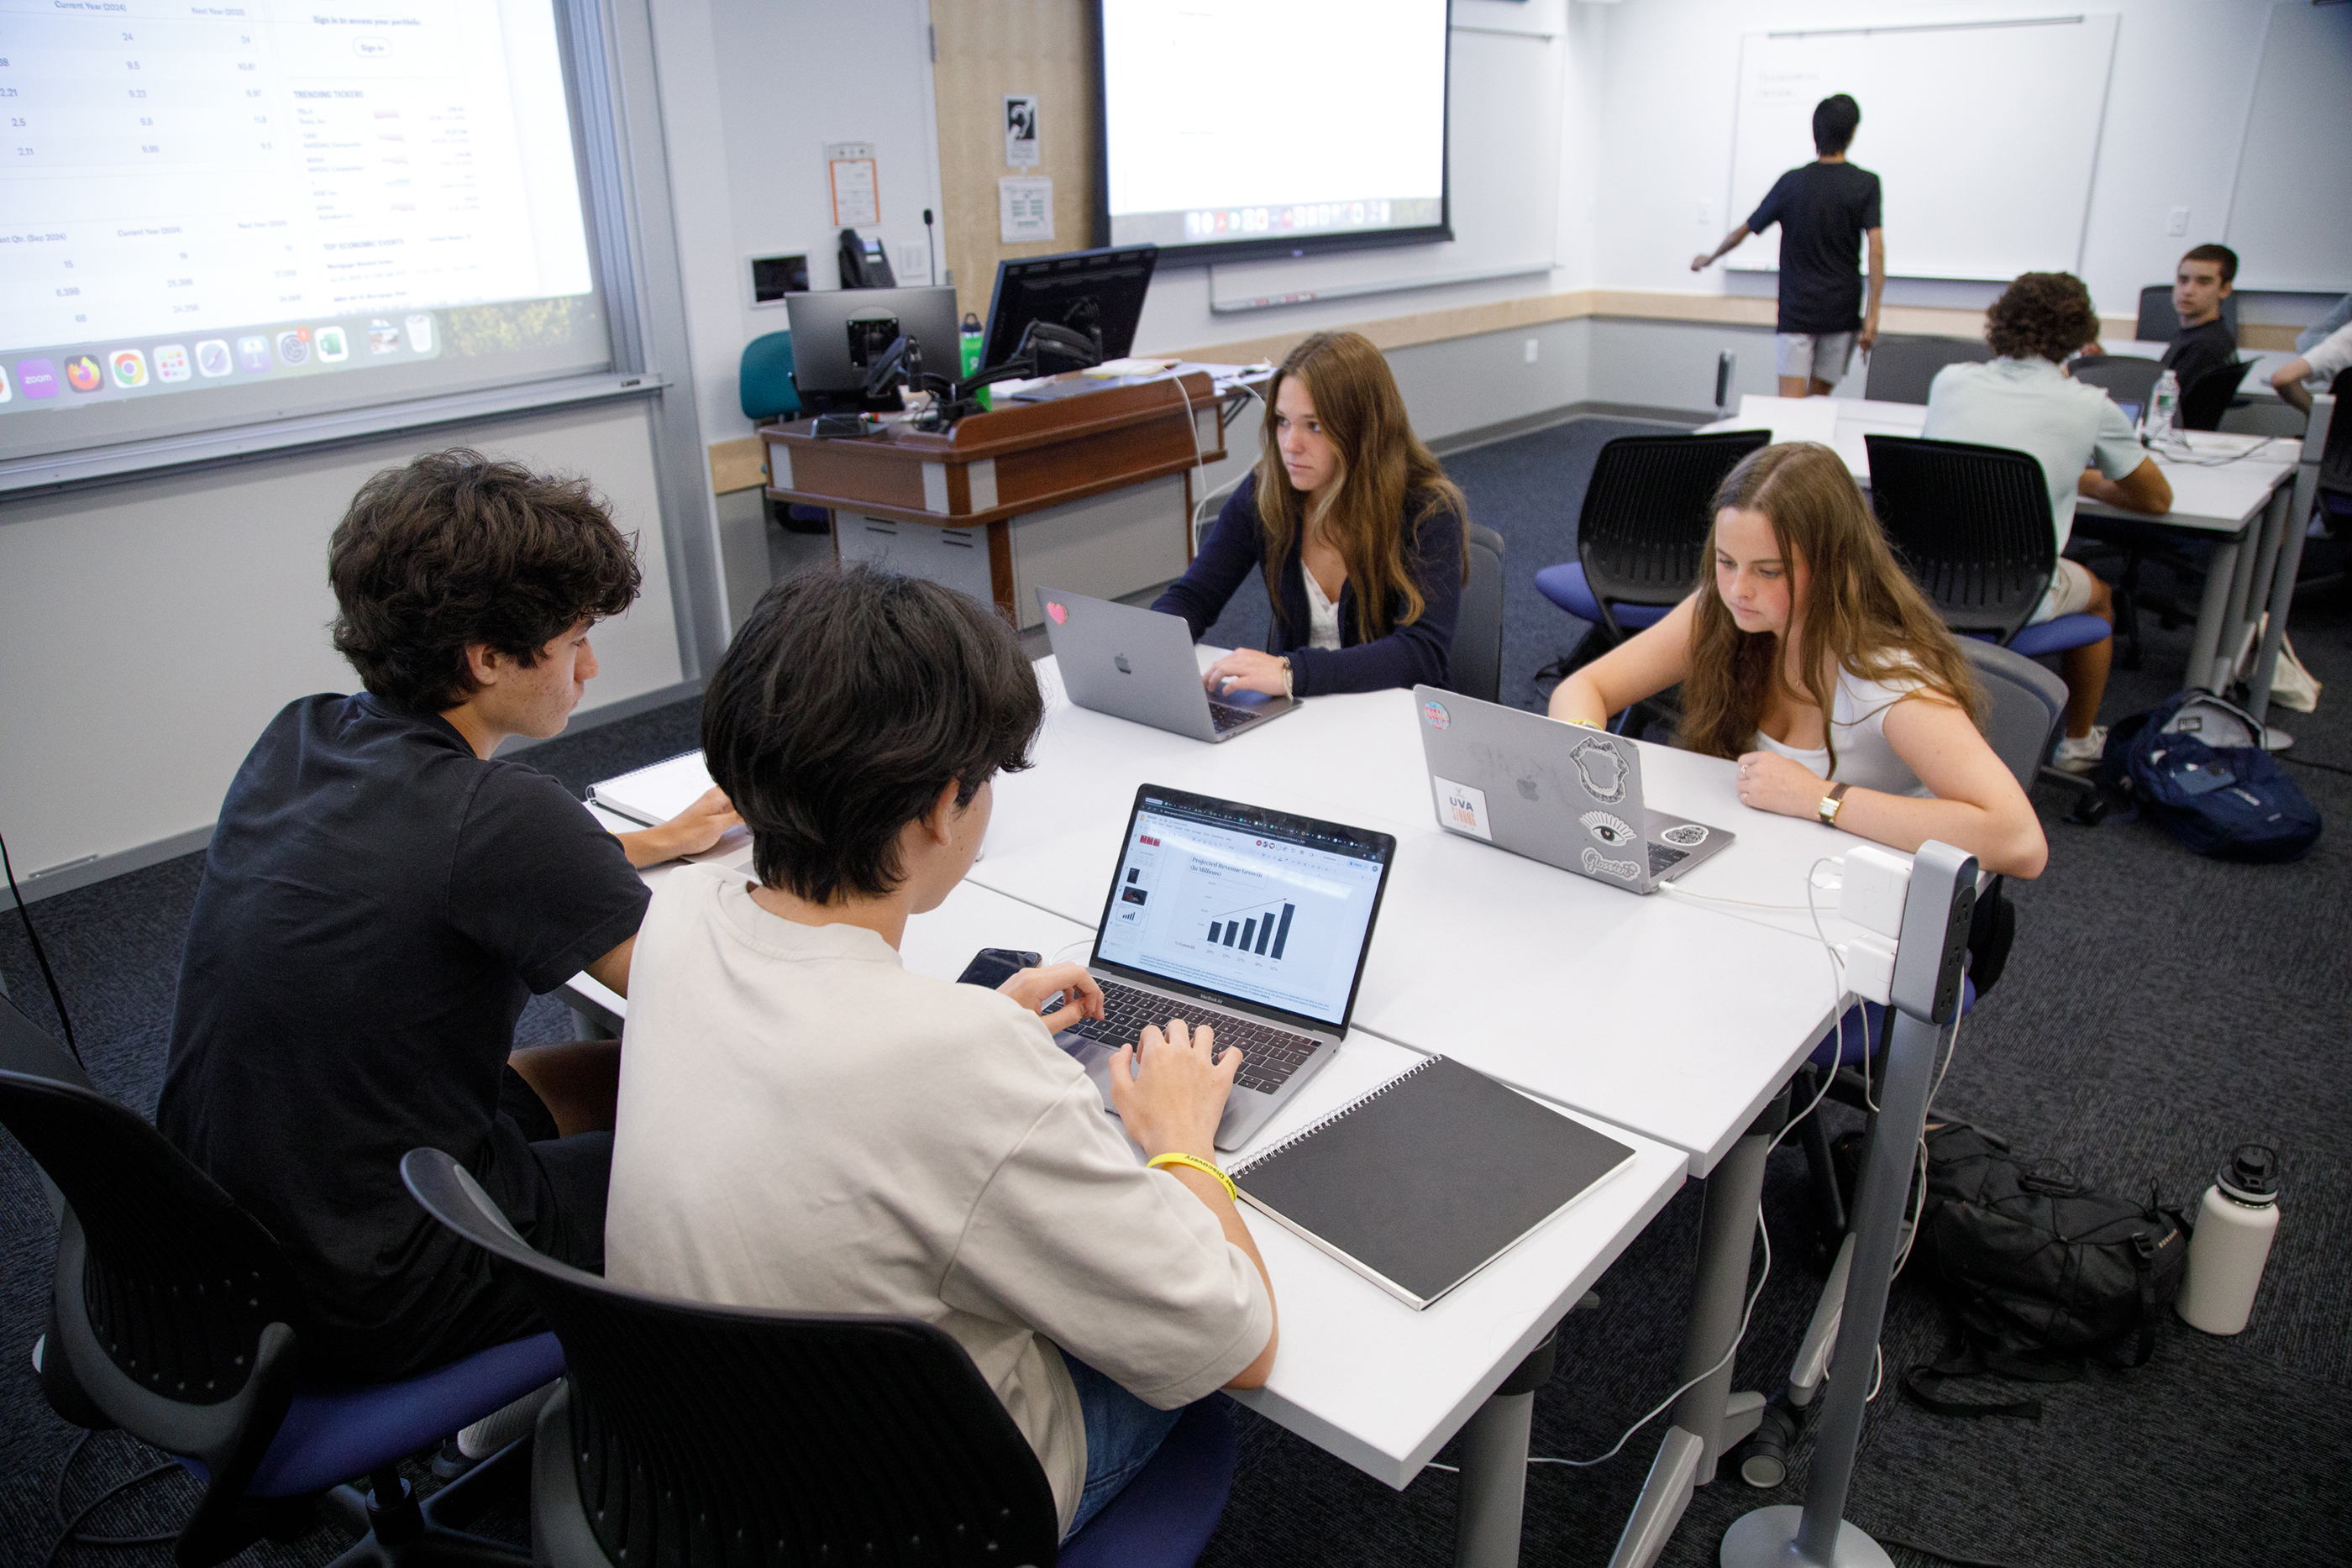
1817	664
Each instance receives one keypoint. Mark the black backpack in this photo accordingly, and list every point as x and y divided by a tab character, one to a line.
2038	1272
2195	766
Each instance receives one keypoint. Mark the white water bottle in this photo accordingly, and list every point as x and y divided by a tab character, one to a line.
2232	1242
2163	408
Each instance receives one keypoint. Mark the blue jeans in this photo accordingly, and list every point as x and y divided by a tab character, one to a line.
1122	1434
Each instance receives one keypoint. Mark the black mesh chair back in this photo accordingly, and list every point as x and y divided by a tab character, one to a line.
1646	513
1475	664
1903	368
703	1437
2160	323
2127	378
2204	401
2335	450
1971	524
174	1314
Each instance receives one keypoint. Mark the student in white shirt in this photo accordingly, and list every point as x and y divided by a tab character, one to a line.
1818	665
2023	400
2320	365
805	1124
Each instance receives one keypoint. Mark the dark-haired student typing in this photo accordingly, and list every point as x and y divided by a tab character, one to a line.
805	1124
1362	540
381	897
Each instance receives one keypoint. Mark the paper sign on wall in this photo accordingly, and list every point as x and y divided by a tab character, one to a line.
856	192
1021	130
1024	209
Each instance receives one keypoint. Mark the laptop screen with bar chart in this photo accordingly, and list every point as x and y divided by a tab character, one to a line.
1257	905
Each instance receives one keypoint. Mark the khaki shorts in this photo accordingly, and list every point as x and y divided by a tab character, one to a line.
2069	592
1818	356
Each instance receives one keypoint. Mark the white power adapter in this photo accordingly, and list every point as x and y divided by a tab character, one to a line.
1869	969
1873	886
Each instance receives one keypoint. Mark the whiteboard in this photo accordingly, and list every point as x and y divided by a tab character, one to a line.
1505	183
2291	210
1983	136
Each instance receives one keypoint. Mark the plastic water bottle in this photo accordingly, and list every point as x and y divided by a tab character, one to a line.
2163	408
974	344
2232	1242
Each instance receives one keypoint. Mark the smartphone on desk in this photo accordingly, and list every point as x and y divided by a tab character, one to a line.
992	967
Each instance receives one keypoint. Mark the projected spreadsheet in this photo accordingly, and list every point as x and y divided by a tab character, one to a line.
1278	921
200	195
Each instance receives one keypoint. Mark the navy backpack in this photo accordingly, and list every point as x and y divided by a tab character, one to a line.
2195	765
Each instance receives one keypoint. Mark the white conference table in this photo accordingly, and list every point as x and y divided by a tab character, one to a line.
2231	491
1360	1375
1678	1018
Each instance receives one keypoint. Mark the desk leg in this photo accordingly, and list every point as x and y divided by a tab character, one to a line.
1494	1465
1687	1457
2296	502
2223	663
2212	611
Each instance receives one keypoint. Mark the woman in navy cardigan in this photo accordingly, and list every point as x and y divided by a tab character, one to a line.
1362	540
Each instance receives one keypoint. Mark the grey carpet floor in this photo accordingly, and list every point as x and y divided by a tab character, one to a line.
2159	1008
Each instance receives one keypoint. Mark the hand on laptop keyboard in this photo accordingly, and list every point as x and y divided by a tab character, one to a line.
1270	1055
1081	999
1175	1094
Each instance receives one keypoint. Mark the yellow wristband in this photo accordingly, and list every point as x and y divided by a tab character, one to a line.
1224	1180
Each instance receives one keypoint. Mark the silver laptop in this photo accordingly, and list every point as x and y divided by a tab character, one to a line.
1253	921
1137	664
1559	793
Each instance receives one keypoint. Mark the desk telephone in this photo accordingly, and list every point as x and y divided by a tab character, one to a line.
863	263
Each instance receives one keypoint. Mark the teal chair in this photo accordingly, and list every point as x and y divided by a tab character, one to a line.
764	382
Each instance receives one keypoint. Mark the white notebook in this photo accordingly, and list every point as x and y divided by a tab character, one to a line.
655	794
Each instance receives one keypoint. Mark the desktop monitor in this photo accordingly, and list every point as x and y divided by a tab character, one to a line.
837	334
1097	293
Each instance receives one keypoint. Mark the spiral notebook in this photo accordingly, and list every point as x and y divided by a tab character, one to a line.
1428	1178
655	794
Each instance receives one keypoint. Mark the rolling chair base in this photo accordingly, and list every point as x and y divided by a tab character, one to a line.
432	1533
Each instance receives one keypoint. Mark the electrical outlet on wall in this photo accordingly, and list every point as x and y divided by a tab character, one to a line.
1532	345
2176	223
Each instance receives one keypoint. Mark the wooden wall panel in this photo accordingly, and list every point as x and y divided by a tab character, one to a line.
988	48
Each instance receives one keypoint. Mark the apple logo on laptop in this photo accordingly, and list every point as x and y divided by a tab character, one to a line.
1061	616
1120	660
1526	788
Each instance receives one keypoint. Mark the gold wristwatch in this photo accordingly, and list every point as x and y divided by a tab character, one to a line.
1831	802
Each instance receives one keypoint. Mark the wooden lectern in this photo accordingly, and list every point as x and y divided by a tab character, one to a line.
1088	490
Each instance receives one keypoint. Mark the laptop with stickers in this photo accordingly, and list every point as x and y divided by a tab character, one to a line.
1560	793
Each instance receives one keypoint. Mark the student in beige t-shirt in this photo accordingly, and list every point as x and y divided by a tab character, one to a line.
805	1124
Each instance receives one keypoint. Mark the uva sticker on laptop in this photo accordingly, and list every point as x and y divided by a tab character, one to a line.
1462	806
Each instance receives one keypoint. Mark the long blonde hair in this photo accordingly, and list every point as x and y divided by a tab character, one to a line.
1382	467
1858	604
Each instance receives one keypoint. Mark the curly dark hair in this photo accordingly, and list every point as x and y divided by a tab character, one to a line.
2043	315
455	549
847	701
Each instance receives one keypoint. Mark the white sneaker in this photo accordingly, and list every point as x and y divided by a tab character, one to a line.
2080	754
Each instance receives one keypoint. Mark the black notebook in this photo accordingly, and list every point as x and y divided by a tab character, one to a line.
1428	1178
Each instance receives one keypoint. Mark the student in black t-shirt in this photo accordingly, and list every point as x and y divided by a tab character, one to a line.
379	899
1825	209
2204	343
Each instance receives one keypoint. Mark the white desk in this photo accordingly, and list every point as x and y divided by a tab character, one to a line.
2221	504
1360	1375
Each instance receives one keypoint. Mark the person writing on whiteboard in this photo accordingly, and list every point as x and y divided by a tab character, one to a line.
2022	400
1826	210
383	893
1816	662
1362	540
805	1124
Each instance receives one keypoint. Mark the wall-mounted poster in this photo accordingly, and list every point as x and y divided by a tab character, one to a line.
1021	130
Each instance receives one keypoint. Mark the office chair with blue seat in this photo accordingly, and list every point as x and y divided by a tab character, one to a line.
175	1317
1476	663
683	1430
1641	532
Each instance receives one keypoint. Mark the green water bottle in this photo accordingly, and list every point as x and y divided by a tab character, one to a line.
973	346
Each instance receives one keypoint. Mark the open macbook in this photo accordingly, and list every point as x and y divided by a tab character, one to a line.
1253	921
1137	664
1560	793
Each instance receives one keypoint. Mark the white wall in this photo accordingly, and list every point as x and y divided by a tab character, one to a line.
752	91
152	628
2176	109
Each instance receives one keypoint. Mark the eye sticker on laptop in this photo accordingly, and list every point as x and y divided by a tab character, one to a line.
1598	864
1685	835
1600	768
1609	829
